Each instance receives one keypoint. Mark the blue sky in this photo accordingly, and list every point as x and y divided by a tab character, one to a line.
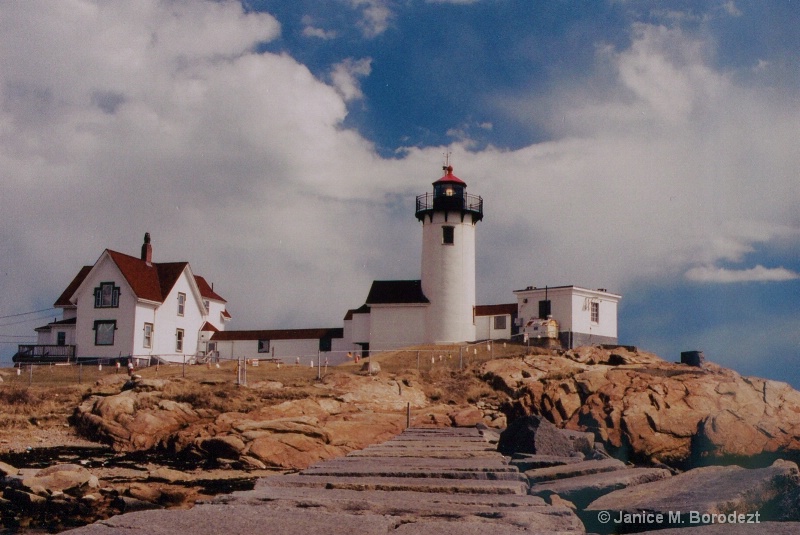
646	147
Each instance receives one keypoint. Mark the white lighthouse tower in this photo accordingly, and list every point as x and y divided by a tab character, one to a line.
448	217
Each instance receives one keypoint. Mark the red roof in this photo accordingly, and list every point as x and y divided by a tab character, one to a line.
63	299
450	178
152	282
226	314
208	327
206	290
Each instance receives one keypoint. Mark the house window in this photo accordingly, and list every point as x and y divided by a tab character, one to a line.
263	346
207	305
500	323
448	235
106	295
179	340
148	335
61	338
595	312
181	303
544	309
104	332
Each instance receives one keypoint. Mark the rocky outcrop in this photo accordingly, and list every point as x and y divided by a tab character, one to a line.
648	410
51	496
349	412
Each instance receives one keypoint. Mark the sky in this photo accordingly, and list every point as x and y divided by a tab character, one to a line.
647	147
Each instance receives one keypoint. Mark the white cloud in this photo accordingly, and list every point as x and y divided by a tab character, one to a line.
657	164
319	33
309	30
731	9
345	75
375	16
755	274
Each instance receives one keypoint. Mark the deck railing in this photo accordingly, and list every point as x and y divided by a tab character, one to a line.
45	353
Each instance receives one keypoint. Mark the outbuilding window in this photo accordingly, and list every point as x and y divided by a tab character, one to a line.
544	309
499	323
595	312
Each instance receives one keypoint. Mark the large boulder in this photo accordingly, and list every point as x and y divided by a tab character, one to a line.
133	420
534	434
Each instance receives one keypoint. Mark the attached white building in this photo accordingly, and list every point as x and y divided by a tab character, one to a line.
584	316
496	322
123	306
287	346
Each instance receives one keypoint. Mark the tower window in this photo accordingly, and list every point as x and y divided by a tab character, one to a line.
448	235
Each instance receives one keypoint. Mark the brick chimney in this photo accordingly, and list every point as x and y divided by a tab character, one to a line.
147	250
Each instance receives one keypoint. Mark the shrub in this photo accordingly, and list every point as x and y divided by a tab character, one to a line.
18	396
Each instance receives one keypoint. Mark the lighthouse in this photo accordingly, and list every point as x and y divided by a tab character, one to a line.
448	217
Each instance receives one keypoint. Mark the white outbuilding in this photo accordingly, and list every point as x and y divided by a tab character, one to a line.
584	316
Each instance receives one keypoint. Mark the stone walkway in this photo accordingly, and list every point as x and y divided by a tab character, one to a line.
431	481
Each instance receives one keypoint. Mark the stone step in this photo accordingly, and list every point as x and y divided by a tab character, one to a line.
423	449
428	455
582	468
416	484
384	470
487	463
526	462
582	490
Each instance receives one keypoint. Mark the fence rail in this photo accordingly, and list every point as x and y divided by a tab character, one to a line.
90	369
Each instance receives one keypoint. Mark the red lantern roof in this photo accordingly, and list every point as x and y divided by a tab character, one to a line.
449	177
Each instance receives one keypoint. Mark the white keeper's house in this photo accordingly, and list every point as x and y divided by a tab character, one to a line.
123	305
